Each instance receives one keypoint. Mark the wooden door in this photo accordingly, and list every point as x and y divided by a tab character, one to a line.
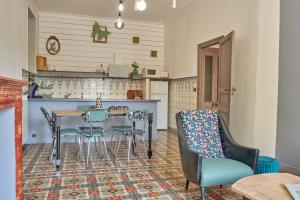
209	78
224	91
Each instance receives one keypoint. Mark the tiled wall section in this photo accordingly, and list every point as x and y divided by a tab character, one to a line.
109	88
181	94
181	97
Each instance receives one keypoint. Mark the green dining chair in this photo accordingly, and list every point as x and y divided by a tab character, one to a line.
130	131
90	130
84	107
64	132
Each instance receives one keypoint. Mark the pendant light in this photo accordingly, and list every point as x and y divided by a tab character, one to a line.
119	23
140	5
121	6
174	4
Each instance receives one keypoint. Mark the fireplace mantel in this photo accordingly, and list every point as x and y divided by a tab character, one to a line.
11	96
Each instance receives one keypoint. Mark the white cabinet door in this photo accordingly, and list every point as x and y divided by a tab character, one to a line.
162	111
159	87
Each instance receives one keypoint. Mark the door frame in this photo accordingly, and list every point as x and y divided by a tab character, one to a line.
202	46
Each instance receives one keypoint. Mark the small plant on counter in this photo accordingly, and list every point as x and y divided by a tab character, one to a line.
135	68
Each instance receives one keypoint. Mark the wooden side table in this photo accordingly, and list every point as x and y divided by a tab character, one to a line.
265	186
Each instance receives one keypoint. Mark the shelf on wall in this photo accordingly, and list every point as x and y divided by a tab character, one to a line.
70	74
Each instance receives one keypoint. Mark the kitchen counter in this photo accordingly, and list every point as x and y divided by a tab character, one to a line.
39	131
93	100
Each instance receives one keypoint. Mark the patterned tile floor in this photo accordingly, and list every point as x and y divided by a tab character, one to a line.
158	178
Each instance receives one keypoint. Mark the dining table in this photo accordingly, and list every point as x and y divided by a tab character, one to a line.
58	115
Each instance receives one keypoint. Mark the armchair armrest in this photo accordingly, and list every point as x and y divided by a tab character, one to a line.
191	161
234	151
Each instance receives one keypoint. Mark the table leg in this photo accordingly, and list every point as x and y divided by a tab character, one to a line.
57	131
134	139
57	162
150	121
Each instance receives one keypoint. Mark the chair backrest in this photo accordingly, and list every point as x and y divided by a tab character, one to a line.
200	132
47	117
138	115
97	115
84	107
118	109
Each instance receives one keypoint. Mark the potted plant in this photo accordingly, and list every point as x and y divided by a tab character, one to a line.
135	68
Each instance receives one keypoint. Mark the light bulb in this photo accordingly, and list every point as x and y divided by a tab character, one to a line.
121	6
119	23
140	5
174	4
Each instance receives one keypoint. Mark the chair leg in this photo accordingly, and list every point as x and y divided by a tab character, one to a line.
103	140
187	182
202	193
52	151
143	139
88	153
95	141
129	148
118	146
80	148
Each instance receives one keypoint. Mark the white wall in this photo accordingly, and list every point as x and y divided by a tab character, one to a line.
14	36
255	60
288	137
13	40
14	43
79	53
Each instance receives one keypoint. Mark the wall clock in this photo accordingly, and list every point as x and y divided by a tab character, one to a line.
53	45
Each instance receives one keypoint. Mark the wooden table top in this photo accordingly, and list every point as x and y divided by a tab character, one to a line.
265	186
67	113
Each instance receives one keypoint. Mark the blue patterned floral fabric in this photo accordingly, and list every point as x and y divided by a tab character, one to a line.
201	133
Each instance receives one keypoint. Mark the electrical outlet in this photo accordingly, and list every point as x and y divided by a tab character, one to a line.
34	135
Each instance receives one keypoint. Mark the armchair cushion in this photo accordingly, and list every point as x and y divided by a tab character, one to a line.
219	171
201	132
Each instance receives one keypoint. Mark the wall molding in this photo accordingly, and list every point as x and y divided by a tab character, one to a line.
291	169
182	12
108	19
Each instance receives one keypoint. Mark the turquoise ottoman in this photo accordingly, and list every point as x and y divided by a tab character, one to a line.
267	165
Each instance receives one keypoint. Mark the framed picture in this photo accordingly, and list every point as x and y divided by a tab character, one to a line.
135	40
52	45
99	33
153	54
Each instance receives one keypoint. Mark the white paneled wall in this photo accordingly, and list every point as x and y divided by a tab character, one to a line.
79	53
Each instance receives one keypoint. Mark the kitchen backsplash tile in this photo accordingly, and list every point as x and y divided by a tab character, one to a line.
181	91
109	88
181	97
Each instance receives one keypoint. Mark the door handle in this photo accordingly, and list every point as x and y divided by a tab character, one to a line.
214	104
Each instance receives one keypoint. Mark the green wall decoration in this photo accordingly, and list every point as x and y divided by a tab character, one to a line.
52	45
99	33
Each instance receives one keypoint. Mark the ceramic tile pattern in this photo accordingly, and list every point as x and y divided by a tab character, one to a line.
109	88
181	94
181	97
158	178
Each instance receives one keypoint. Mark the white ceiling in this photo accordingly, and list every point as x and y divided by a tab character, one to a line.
158	11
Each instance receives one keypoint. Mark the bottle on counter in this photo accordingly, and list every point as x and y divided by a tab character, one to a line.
99	101
81	96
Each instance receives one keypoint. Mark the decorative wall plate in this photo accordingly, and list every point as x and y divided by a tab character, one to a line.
52	45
